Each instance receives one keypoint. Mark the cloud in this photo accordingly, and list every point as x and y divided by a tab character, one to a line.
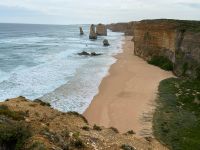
88	11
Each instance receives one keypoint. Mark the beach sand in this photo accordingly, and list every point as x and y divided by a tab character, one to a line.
126	97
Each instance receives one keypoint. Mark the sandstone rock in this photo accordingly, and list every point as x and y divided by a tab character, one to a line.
83	53
93	34
101	30
105	42
177	40
95	54
81	31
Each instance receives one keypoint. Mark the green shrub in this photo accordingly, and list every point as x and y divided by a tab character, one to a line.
114	129
42	103
78	115
86	128
131	132
16	115
13	134
98	128
162	62
78	143
127	147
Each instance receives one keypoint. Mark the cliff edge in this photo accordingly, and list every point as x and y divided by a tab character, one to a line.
35	125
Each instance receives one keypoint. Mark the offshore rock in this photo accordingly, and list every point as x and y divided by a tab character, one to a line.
105	42
93	34
101	30
81	31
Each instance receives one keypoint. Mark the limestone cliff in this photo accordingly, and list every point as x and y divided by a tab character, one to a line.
101	30
127	28
178	40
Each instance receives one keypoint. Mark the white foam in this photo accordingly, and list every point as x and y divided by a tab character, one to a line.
65	79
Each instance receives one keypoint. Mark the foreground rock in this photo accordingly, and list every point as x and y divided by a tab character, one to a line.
101	30
105	42
81	31
31	125
84	53
93	35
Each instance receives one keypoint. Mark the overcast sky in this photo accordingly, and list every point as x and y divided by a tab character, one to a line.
91	11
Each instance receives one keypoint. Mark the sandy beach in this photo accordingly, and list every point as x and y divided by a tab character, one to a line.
126	97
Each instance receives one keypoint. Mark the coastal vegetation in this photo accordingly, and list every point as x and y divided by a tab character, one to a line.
33	125
162	62
177	116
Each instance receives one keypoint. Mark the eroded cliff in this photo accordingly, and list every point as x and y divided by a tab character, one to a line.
177	40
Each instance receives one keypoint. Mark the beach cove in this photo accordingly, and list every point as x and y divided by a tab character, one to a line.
126	98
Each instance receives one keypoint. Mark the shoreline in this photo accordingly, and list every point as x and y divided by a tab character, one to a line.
124	100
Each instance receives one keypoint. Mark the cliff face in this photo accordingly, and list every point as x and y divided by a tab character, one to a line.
177	40
154	39
127	28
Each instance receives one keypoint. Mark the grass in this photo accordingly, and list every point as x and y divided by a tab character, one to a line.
42	103
162	62
77	115
177	116
15	115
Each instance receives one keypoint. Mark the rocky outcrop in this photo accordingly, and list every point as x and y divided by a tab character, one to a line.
105	42
101	30
26	125
81	31
177	40
84	53
93	34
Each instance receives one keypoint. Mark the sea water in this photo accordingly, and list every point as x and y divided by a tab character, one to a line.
41	61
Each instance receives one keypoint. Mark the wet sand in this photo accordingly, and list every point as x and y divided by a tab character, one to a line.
126	98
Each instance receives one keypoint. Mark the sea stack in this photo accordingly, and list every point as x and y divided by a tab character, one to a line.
105	42
101	30
81	31
93	34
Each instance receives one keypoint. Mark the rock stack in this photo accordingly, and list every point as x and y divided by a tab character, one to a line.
93	34
101	30
81	31
105	42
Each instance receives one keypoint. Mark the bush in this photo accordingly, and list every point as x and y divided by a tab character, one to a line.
78	143
15	115
98	128
13	134
131	132
127	147
162	62
78	115
42	103
86	128
114	129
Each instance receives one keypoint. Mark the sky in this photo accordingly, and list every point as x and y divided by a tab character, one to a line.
99	11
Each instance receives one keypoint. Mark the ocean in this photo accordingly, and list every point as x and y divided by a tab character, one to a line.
41	61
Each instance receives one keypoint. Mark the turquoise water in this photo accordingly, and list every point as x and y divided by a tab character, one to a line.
41	61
